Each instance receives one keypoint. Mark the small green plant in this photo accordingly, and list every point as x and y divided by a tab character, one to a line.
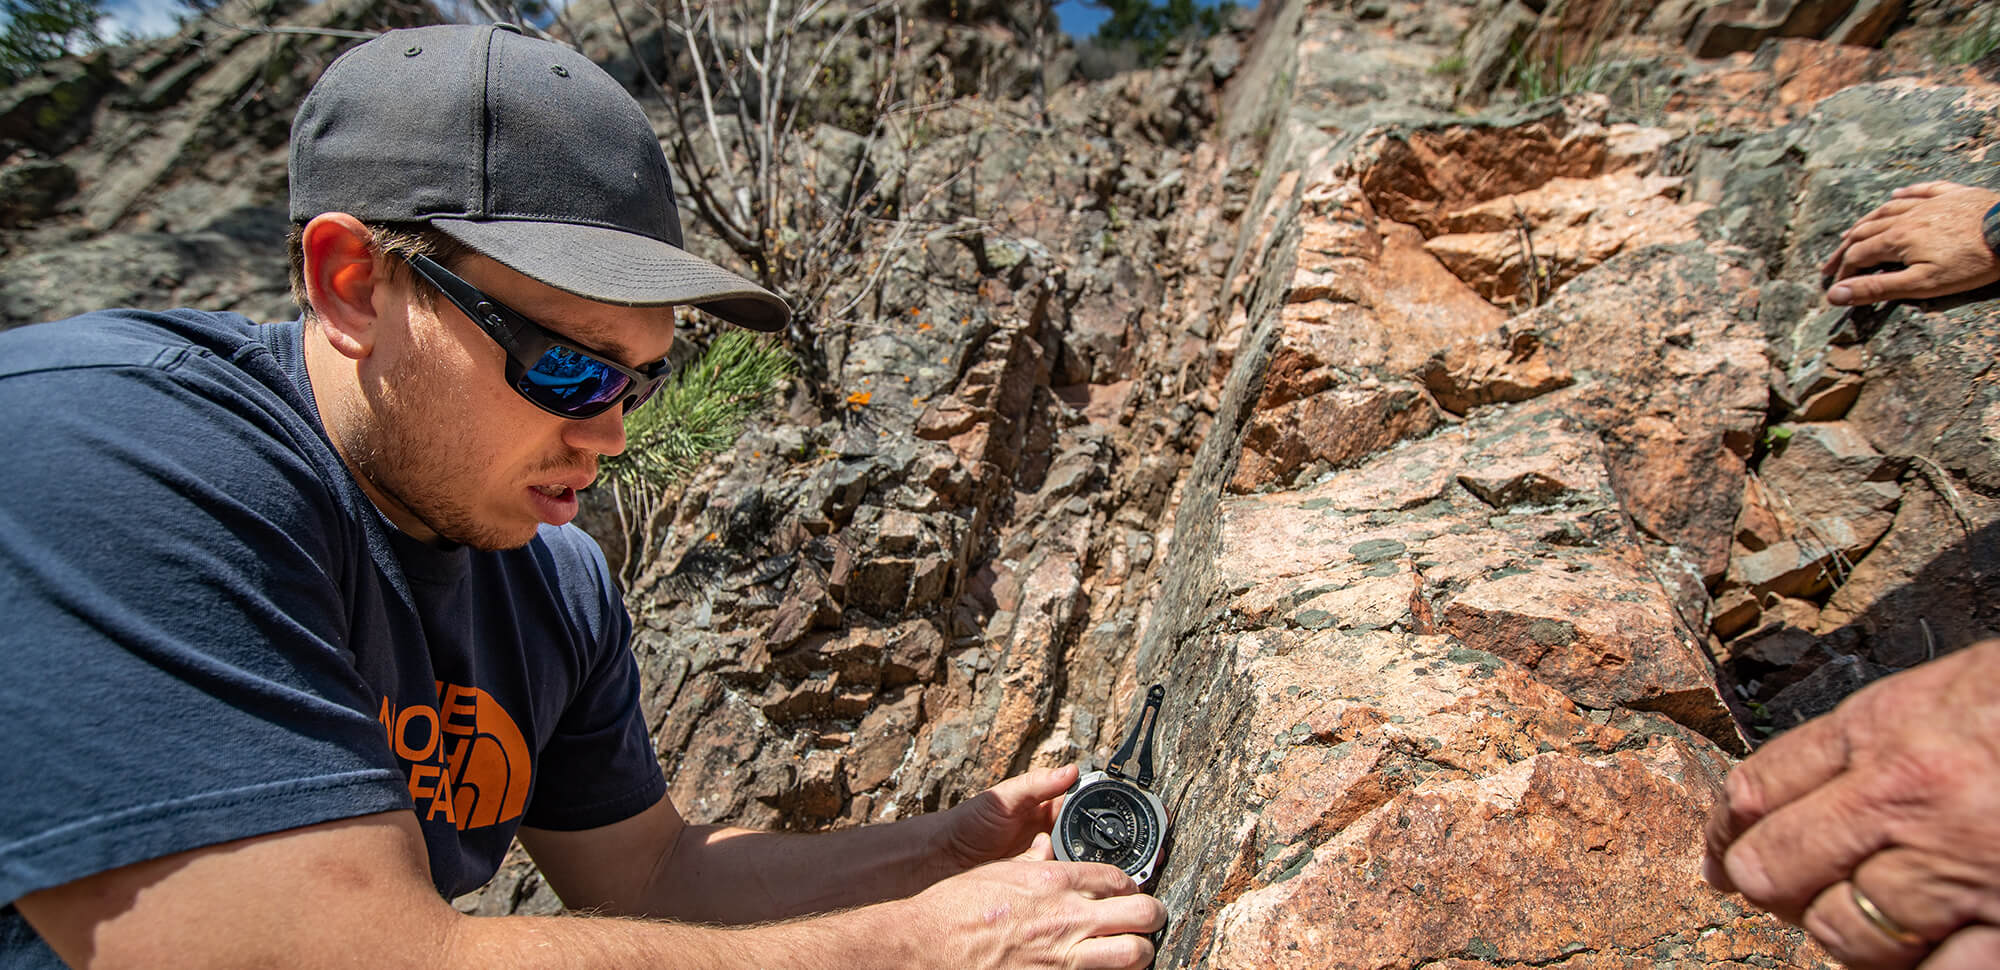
1974	41
699	412
1451	66
1535	76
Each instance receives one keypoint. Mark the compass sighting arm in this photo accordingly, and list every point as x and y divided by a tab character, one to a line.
1141	738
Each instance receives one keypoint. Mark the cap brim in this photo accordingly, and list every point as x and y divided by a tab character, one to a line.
610	266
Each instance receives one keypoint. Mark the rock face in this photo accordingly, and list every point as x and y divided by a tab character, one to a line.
1479	484
154	174
1447	667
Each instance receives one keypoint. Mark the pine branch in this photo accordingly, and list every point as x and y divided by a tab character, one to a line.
699	412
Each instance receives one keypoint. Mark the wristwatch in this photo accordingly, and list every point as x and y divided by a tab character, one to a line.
1991	229
1114	818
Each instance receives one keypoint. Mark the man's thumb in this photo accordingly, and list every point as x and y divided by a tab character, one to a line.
1040	850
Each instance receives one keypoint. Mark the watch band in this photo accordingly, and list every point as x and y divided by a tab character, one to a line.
1991	229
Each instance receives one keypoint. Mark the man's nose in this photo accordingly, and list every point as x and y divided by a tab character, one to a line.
602	434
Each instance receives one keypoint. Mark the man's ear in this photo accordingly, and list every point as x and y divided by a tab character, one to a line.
341	275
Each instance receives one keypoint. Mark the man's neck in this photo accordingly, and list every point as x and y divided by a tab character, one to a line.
335	384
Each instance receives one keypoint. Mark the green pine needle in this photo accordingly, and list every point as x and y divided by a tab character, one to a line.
699	412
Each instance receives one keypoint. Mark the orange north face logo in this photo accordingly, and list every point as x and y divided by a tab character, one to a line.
466	759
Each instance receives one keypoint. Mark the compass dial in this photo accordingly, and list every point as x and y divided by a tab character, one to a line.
1112	823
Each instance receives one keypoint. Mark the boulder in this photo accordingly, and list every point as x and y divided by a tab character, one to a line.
1740	25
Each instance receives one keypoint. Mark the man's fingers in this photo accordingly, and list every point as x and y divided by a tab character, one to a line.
1137	913
1126	952
1843	263
1878	220
1057	780
1044	793
1791	765
1870	252
1786	859
1841	925
1864	229
1914	283
1930	893
1018	793
1972	948
1925	190
1098	880
1115	928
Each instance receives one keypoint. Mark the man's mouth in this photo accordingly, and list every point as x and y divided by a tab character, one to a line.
556	503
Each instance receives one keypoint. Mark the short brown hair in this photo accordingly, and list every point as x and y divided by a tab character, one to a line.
399	239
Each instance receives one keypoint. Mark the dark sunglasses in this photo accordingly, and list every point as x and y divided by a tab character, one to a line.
553	374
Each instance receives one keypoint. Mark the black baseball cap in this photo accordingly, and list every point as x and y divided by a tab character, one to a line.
519	148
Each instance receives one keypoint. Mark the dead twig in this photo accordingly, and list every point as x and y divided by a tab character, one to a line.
1533	266
305	31
1940	482
1838	566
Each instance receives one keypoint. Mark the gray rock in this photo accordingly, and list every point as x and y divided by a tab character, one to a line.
1822	690
1493	47
1725	29
33	190
50	111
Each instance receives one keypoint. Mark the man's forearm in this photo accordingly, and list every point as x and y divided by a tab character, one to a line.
356	892
730	875
869	937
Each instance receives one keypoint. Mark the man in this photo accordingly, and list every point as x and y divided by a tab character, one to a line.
1877	826
297	636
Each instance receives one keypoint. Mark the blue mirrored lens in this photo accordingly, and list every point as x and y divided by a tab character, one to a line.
573	382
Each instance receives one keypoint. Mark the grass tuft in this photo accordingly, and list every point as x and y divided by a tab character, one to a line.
1535	76
1451	66
1977	39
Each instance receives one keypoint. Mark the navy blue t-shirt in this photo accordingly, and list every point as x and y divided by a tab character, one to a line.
208	632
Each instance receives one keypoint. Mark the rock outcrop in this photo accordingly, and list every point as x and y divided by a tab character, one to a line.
1432	661
1479	484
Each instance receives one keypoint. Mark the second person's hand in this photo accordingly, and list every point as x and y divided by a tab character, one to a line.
1933	229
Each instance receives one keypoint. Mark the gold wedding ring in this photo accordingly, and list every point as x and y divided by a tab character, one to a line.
1889	927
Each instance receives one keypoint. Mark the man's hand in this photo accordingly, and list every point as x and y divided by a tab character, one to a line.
1023	913
1933	229
1003	820
1896	794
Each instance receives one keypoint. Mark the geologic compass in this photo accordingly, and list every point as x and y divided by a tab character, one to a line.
1111	818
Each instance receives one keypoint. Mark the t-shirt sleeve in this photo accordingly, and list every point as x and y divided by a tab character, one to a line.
599	767
173	638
